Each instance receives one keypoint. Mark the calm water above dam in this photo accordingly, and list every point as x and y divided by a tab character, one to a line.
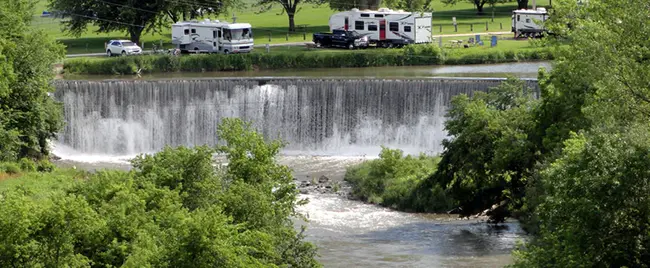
521	69
329	124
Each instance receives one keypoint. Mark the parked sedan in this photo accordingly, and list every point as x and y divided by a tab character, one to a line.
122	47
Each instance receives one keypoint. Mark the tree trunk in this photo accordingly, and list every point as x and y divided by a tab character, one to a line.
135	33
522	4
292	22
479	7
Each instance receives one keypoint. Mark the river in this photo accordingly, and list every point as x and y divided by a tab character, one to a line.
346	126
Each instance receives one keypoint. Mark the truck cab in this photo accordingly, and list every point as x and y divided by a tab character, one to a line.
341	38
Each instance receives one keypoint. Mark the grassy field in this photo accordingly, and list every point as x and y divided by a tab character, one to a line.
40	184
271	26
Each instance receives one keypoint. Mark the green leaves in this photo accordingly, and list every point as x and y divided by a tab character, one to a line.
174	209
28	116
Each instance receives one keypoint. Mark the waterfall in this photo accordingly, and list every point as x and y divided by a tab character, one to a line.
314	116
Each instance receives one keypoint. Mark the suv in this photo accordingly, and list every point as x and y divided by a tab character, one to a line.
122	47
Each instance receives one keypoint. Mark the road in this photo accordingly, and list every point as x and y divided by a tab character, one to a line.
297	43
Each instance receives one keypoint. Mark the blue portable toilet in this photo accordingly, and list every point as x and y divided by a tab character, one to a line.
494	41
478	38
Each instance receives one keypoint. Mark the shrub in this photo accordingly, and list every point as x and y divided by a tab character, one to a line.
10	168
27	165
392	179
45	166
410	55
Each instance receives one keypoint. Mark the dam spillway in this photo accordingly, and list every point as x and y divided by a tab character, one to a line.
314	116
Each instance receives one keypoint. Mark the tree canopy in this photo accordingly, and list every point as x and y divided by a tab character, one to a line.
28	116
174	209
132	17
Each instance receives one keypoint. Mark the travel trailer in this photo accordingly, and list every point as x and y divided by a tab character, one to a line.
212	37
385	27
529	23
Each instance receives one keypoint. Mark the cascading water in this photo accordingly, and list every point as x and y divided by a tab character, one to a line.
317	116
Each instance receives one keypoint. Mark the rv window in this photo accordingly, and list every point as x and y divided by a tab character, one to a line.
359	25
393	27
518	18
407	29
219	34
214	34
527	20
379	15
187	31
365	15
193	31
372	28
214	44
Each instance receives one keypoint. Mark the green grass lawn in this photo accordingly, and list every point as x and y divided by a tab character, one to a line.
40	184
271	26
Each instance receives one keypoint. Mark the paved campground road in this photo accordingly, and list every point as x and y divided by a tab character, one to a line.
297	43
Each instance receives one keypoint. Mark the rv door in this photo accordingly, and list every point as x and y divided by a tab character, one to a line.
382	30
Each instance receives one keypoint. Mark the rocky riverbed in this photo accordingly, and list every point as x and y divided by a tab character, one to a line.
324	185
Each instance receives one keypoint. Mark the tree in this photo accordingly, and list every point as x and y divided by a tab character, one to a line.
290	7
522	4
132	17
479	4
174	209
28	115
596	211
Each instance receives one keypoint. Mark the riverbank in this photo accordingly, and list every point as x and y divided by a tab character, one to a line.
409	56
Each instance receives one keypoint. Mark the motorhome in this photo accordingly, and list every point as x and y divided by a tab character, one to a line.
212	36
529	22
385	27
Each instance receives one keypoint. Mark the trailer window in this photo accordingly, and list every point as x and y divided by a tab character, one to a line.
379	15
193	31
359	25
393	27
187	31
407	29
518	18
365	15
527	20
372	28
214	34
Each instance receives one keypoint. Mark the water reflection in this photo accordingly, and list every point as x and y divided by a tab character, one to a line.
521	69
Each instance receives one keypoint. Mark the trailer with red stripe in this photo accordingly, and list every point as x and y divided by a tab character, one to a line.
386	27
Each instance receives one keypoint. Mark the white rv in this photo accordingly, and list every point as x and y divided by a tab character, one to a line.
529	23
385	27
212	36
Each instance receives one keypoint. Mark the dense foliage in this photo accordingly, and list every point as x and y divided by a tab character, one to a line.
28	116
132	17
391	179
573	164
174	209
412	55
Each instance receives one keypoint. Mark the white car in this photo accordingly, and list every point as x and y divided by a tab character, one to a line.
122	47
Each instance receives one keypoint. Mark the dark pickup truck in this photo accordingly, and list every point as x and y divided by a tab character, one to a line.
341	38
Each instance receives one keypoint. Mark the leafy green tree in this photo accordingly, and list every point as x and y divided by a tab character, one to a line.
28	116
360	4
596	211
174	209
489	155
132	17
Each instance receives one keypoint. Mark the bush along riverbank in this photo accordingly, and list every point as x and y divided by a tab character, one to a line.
409	56
481	172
